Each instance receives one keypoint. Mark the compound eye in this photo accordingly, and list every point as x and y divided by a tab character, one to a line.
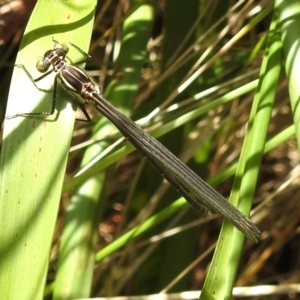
63	47
42	65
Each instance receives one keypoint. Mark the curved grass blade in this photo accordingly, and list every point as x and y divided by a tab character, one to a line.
34	152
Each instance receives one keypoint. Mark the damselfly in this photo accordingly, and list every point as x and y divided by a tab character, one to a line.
197	192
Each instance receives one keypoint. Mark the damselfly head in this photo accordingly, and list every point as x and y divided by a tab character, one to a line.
58	53
43	63
62	46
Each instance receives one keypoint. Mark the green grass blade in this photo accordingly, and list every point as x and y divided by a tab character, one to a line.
290	22
221	276
34	152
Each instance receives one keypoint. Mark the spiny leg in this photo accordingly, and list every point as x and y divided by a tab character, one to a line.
80	106
34	82
84	54
30	76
